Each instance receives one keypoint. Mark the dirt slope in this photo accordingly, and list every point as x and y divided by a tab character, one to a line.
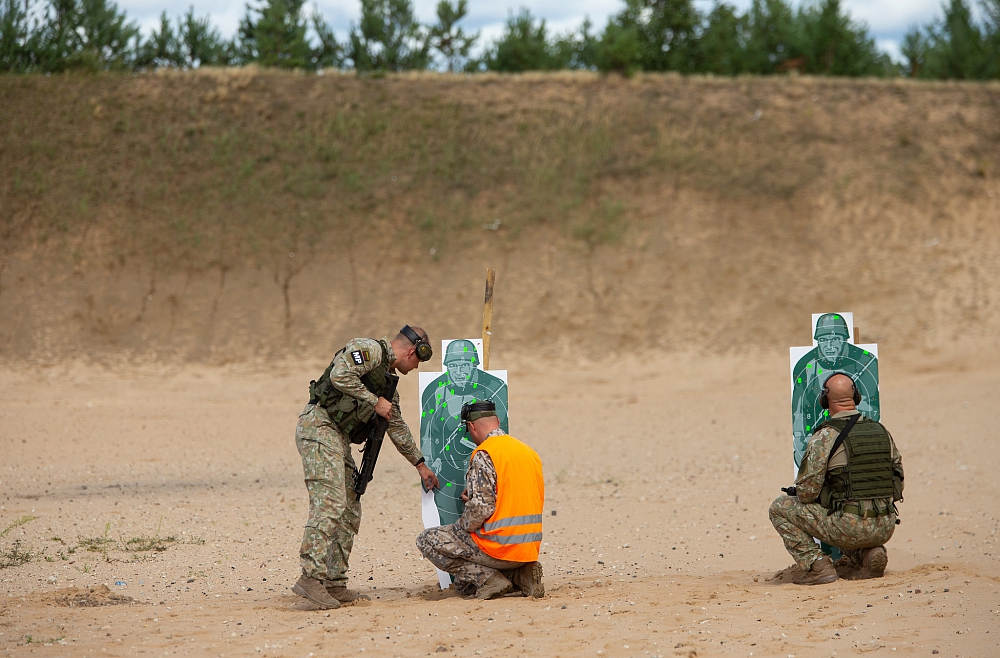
225	215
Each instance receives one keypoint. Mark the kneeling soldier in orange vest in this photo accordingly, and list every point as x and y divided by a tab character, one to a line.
493	548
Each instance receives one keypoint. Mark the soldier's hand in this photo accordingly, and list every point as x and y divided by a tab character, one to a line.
383	408
465	496
427	477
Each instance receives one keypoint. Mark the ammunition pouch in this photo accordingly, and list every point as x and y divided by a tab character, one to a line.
855	508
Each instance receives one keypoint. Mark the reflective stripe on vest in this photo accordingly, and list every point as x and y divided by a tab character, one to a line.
514	530
513	520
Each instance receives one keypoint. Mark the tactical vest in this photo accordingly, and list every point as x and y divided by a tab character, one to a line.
347	412
869	474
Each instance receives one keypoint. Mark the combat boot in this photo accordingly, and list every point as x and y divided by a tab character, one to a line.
312	589
528	579
496	586
345	595
847	569
873	562
821	572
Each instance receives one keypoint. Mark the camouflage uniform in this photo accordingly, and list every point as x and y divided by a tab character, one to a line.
800	518
328	466
451	548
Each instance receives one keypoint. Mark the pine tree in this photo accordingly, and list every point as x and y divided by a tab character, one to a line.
914	49
666	30
86	34
449	39
722	48
619	49
991	38
578	48
162	48
524	46
955	48
773	37
17	36
388	38
833	44
200	42
330	53
274	34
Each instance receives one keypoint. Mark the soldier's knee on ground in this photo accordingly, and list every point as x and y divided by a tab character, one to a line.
778	507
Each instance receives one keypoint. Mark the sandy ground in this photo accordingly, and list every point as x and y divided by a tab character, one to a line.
657	541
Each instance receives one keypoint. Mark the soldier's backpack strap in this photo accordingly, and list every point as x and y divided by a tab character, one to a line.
842	436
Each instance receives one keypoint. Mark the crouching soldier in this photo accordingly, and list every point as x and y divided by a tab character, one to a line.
845	493
493	547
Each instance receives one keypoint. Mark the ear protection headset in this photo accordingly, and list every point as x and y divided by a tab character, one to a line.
424	350
824	397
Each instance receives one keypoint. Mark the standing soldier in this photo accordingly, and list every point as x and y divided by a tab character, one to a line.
849	481
341	403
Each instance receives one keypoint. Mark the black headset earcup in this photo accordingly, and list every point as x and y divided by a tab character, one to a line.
857	395
823	401
424	351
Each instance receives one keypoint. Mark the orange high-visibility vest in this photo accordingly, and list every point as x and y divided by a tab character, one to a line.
514	531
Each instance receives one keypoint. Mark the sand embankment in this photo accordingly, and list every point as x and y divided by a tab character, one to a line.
221	216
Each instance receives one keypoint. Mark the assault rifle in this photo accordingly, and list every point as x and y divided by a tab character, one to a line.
377	427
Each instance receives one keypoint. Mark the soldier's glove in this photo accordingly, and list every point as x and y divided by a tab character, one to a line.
790	490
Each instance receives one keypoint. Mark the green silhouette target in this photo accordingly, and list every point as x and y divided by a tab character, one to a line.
443	440
832	351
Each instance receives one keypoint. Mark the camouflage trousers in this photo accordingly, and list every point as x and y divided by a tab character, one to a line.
798	523
451	549
334	514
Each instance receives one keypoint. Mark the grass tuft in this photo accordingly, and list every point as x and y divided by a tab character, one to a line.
16	524
133	546
16	555
19	553
30	639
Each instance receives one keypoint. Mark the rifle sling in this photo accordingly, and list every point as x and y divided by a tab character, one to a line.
842	436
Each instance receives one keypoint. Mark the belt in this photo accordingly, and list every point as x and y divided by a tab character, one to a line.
855	508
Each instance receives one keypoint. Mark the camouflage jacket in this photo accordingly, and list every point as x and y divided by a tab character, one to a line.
481	483
346	376
812	472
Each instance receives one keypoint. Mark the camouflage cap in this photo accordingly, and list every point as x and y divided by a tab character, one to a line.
473	411
831	323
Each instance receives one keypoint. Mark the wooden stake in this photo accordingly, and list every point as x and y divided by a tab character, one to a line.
491	275
857	335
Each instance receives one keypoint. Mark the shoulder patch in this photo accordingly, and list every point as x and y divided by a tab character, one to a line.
366	355
357	357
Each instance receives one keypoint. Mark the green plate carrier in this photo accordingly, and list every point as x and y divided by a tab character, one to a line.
869	474
347	412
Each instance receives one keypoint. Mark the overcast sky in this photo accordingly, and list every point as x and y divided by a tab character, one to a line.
887	19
